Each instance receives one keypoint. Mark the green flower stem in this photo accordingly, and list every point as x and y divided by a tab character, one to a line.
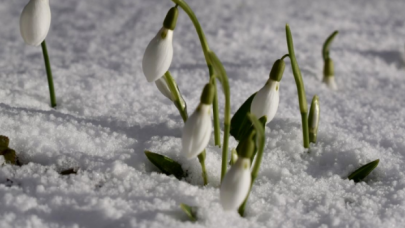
206	49
178	101
300	87
326	45
260	141
215	110
223	78
49	74
181	106
201	158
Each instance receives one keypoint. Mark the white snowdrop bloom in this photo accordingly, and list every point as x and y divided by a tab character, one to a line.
235	185
159	52
265	103
35	21
197	131
158	55
161	84
330	82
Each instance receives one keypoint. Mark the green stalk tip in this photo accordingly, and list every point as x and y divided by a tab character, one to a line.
277	70
326	45
171	18
208	93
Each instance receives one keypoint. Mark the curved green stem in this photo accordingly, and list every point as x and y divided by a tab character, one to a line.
49	74
182	107
326	45
178	100
223	78
201	158
300	87
260	142
206	50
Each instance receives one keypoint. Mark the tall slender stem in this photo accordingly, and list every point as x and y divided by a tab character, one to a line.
49	74
206	49
181	106
201	158
223	78
300	87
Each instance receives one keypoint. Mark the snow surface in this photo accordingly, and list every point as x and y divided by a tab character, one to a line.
108	114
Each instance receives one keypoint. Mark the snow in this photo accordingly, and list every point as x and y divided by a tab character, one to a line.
108	114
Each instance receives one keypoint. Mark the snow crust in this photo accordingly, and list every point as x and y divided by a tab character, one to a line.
108	114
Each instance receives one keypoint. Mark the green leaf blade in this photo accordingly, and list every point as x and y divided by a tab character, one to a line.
190	212
165	164
240	122
363	171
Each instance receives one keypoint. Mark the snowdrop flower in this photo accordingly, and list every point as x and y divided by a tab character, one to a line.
35	21
236	183
265	103
159	52
197	130
161	84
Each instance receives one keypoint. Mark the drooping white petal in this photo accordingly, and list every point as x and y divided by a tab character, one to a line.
161	84
35	21
265	103
330	82
158	55
197	131
235	185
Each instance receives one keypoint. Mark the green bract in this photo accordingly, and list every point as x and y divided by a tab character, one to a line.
208	94
277	70
171	18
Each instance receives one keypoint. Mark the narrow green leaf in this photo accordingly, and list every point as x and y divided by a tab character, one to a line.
302	100
4	141
326	45
9	156
190	211
363	171
240	122
167	165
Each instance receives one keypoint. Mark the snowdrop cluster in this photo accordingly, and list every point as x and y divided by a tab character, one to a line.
247	125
